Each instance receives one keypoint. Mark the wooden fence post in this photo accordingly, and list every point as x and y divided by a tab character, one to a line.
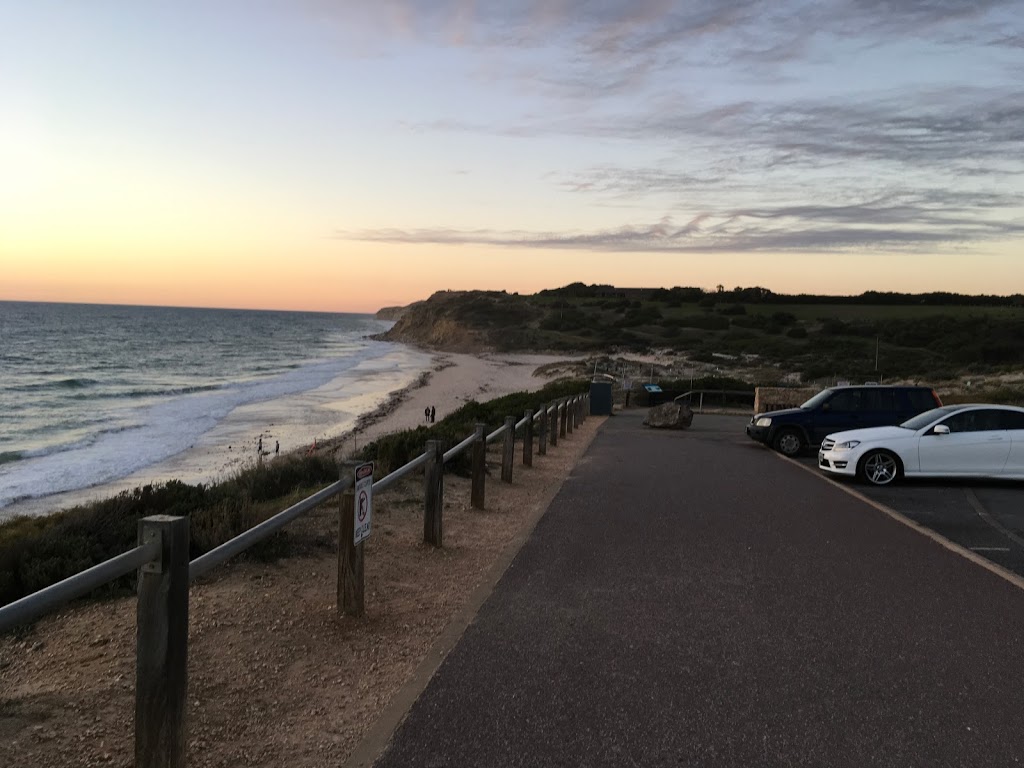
478	490
508	449
553	424
528	438
350	555
542	431
433	494
570	409
161	637
561	424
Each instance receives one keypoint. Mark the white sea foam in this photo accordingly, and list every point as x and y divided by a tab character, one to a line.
200	436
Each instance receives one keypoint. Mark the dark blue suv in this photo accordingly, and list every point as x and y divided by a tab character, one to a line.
837	409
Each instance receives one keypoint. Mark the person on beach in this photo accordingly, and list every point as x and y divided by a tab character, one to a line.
432	412
426	414
259	447
277	447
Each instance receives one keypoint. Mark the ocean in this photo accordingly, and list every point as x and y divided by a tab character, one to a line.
96	399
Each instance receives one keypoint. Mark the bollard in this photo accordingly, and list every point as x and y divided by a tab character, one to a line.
508	449
479	468
350	557
433	494
542	431
553	424
528	438
161	637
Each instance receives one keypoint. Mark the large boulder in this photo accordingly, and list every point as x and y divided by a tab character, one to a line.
669	416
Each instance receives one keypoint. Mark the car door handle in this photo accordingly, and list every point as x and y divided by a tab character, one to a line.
996	439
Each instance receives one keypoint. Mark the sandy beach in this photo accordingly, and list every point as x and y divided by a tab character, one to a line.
454	379
339	419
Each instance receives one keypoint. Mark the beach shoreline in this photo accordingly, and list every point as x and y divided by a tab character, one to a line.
452	380
444	381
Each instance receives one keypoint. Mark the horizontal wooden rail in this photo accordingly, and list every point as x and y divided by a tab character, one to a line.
31	607
268	527
453	452
388	480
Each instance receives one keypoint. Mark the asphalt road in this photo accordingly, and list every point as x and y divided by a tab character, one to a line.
985	516
690	599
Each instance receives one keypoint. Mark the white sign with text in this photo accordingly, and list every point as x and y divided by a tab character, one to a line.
364	501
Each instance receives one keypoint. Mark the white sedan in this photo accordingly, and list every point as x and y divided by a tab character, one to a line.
952	441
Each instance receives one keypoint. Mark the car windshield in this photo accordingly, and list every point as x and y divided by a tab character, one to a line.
924	419
819	398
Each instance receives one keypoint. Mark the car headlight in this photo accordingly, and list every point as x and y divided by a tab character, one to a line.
764	421
846	446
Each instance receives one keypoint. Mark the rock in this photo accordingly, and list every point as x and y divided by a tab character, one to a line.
669	416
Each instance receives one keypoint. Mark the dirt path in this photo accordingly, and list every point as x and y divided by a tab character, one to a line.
276	677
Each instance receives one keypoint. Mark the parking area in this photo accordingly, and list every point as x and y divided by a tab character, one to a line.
985	516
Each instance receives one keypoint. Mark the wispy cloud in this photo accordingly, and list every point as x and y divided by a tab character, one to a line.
892	223
782	124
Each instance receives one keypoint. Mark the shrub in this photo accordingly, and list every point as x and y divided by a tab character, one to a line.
37	552
393	451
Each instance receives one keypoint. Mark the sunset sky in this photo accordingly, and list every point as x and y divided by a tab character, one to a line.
346	155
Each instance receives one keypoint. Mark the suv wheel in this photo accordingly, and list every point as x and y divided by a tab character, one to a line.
788	442
878	468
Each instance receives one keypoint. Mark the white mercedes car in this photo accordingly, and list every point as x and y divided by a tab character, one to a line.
951	441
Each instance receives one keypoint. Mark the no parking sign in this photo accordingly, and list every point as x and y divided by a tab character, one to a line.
363	502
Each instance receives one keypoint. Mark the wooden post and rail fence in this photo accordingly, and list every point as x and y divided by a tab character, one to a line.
164	570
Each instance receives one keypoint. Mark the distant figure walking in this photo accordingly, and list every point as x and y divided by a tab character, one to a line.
277	447
259	447
432	412
426	414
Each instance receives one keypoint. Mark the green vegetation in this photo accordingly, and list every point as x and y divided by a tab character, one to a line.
38	551
392	451
923	336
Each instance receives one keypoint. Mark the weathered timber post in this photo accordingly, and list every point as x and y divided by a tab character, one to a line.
561	424
542	431
553	424
578	411
476	495
433	494
508	449
350	555
570	406
528	438
161	638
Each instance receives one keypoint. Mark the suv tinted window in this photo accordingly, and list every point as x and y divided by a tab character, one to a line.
880	399
920	399
846	400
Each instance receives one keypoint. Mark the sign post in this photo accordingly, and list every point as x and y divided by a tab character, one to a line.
356	515
363	502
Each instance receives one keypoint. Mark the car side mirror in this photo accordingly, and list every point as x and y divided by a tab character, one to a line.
940	429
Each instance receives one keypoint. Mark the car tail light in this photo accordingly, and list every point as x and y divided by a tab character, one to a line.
938	400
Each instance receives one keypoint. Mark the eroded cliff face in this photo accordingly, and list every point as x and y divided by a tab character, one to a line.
434	323
390	313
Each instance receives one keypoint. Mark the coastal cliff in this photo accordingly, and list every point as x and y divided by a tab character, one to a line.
390	313
446	321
